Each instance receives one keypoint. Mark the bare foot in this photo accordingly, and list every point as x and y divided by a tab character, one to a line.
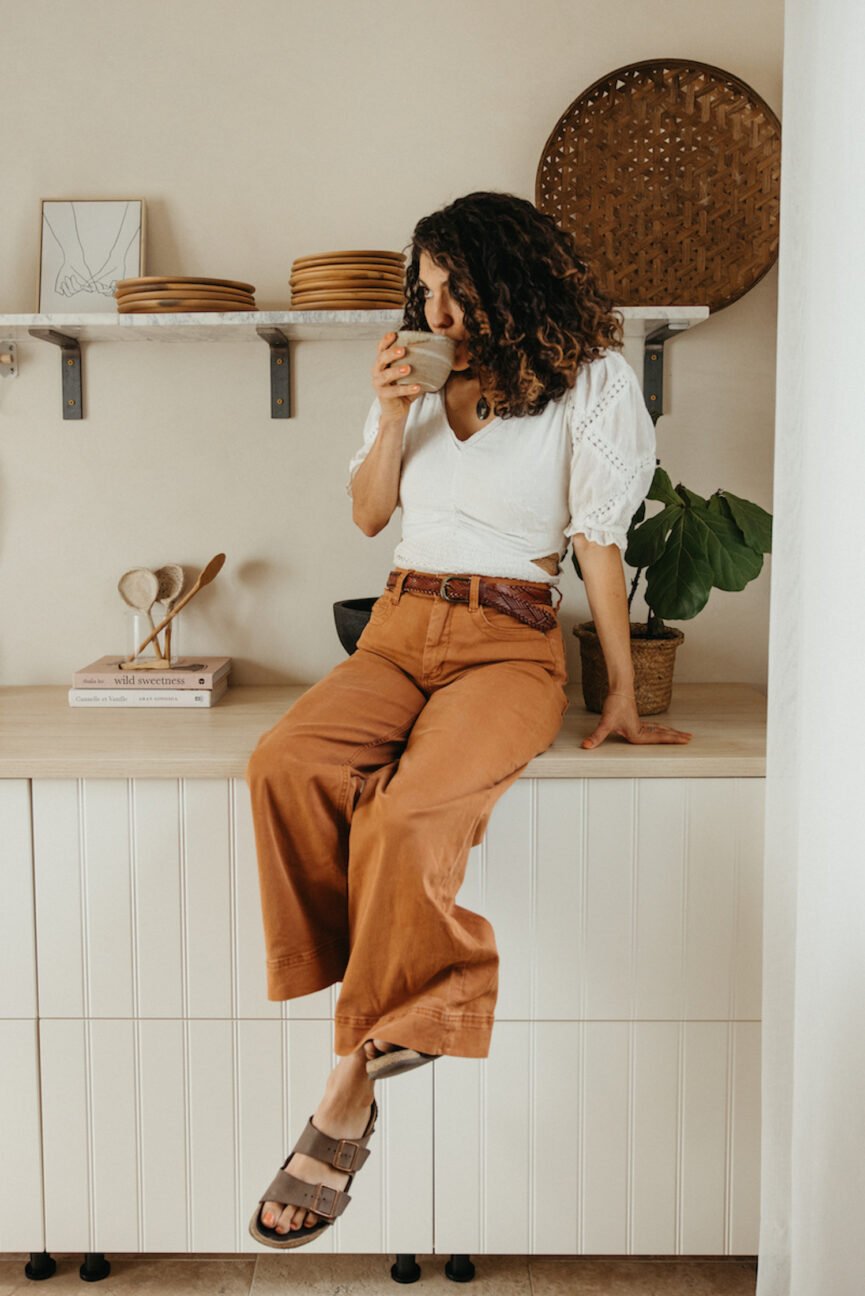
342	1113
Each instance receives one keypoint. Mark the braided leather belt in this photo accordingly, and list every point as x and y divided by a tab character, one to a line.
531	604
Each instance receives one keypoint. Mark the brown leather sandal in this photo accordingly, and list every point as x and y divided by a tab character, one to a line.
395	1061
343	1154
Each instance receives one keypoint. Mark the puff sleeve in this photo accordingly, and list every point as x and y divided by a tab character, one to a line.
612	451
370	432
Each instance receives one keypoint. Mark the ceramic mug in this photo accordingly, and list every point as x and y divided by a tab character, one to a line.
431	357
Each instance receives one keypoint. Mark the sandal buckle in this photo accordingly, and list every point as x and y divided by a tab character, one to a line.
345	1155
324	1201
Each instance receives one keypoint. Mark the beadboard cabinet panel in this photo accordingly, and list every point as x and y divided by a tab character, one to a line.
21	1227
601	1138
17	926
612	899
618	1112
624	899
160	1136
147	897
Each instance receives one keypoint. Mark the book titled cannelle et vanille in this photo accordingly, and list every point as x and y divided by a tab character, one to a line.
189	682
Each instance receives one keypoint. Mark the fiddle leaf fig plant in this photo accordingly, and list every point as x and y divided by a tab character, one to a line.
692	546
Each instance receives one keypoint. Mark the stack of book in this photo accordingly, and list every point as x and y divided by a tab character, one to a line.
190	682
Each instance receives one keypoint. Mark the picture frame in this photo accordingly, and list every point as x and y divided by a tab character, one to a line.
85	246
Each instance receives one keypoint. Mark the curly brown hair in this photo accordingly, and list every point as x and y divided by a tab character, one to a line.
532	306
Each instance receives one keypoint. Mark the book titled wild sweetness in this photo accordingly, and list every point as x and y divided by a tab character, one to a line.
186	673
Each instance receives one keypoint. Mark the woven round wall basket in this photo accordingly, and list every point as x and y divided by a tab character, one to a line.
668	173
653	667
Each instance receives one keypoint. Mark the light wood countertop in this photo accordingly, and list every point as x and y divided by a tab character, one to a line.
41	736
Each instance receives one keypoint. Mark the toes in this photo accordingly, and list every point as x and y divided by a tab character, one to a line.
285	1220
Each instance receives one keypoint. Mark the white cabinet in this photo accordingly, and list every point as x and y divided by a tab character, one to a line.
20	1135
617	1113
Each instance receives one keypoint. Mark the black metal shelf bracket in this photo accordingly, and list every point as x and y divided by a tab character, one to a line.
280	371
653	367
70	372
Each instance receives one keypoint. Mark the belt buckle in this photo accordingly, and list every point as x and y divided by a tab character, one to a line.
443	590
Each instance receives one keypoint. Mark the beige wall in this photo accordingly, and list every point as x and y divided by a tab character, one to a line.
257	133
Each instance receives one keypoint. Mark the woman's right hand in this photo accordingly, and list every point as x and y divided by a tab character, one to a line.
390	366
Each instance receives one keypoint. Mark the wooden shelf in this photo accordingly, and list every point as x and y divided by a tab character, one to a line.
41	736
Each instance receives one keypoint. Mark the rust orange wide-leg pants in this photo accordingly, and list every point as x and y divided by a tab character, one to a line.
366	799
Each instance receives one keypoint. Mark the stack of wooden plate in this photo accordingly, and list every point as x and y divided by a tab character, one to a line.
159	296
348	281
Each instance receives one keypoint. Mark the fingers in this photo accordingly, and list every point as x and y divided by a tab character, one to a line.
597	737
391	376
647	733
662	734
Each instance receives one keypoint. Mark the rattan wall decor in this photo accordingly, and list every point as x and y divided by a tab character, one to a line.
669	174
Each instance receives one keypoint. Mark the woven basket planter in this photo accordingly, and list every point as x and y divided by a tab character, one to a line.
653	667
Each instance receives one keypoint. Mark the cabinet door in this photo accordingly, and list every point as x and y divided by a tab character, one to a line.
601	1138
20	1138
624	899
147	896
618	1111
162	1136
173	1089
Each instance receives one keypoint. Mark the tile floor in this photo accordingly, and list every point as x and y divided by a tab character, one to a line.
364	1275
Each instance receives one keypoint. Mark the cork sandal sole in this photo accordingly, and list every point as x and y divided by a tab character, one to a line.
347	1155
396	1061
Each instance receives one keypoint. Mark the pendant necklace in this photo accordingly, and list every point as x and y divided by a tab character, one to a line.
482	408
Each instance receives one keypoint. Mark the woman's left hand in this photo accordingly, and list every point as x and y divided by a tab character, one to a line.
619	716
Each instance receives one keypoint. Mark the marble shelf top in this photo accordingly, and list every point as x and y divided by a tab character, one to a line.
240	326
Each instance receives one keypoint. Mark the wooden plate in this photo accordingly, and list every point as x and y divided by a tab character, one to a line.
181	290
133	299
347	272
177	306
330	257
180	279
386	267
395	299
354	285
347	306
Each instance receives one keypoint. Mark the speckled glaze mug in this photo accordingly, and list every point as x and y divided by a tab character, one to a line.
431	357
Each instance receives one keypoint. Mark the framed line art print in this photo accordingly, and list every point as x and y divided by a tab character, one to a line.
86	245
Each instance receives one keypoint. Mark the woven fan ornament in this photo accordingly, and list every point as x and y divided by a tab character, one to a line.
668	173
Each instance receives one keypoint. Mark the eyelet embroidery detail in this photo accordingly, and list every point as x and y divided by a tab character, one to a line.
584	427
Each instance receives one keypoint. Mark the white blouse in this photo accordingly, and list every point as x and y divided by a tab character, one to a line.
519	488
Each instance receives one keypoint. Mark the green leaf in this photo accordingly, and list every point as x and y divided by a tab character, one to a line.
662	489
679	583
754	522
691	497
733	562
646	542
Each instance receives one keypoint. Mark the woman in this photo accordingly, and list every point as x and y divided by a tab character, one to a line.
368	795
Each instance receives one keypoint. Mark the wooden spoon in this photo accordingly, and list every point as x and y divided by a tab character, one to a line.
139	589
207	575
170	579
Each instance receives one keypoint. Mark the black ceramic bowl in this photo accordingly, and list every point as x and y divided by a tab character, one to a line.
351	616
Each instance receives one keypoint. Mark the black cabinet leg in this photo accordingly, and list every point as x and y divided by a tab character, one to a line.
95	1267
459	1269
40	1265
405	1270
